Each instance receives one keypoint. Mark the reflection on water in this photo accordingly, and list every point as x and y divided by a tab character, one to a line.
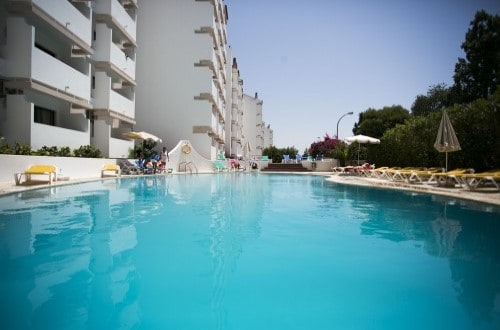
159	251
451	229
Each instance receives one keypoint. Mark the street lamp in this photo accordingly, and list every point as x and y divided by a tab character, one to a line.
345	114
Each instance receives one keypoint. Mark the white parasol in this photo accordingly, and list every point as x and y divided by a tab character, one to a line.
362	139
142	136
446	140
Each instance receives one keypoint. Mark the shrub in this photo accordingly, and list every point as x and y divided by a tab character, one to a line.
46	151
87	151
23	149
4	147
64	152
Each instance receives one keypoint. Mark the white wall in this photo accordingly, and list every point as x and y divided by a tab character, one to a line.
249	129
74	168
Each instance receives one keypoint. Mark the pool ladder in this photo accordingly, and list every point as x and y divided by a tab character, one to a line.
188	165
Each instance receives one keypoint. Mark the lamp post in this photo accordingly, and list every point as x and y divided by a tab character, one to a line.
345	114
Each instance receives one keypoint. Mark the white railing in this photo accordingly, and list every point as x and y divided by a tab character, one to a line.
59	75
67	15
47	135
116	10
119	148
118	58
121	104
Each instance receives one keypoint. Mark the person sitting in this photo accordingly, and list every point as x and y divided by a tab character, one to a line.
364	169
235	165
140	162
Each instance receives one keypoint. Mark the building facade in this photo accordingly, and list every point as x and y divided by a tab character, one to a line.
181	72
68	73
252	126
73	73
268	136
234	116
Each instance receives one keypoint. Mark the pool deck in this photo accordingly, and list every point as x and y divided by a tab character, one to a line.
481	196
486	196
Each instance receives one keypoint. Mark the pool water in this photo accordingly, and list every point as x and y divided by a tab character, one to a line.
246	251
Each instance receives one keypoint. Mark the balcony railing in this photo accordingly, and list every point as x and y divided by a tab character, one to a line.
58	75
124	63
67	15
121	104
47	135
115	10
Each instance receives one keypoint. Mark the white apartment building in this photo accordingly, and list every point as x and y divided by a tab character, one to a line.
268	136
234	116
113	75
253	132
181	72
68	73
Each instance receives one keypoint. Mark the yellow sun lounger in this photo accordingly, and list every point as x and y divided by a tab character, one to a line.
489	179
110	169
37	170
450	178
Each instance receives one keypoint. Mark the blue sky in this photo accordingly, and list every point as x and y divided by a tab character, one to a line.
312	61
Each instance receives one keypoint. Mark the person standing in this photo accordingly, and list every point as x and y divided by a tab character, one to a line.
164	156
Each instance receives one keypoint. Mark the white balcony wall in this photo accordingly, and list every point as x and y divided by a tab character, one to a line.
107	51
106	98
67	15
57	74
125	64
121	104
45	135
119	148
220	130
214	123
116	10
218	100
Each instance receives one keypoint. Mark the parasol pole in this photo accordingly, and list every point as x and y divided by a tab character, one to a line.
359	147
446	163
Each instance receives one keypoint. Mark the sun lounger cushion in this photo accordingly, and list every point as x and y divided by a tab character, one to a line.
110	168
49	170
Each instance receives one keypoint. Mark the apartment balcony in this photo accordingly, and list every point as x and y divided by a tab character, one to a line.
217	99
109	57
46	74
61	16
59	75
112	12
118	148
108	103
46	135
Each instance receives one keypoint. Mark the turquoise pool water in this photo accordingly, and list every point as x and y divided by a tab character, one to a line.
246	251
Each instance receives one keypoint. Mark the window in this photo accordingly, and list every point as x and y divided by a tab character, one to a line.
44	116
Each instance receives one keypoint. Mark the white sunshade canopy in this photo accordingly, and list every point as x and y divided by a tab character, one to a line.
142	136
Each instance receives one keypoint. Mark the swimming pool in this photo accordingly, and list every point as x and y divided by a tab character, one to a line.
246	251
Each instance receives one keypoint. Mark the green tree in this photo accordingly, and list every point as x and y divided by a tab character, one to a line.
276	154
438	96
412	144
477	128
375	122
478	75
273	153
